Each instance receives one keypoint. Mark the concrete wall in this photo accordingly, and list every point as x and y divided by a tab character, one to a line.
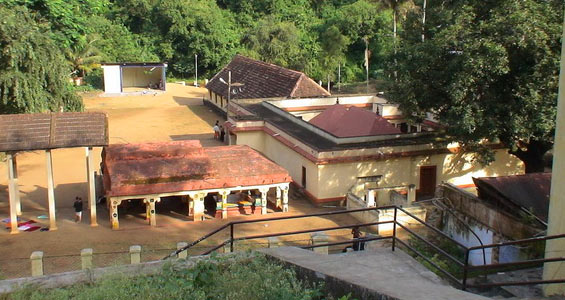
112	79
454	168
141	76
556	248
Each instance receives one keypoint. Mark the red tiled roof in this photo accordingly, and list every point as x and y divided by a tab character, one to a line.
263	80
343	121
529	191
154	168
21	132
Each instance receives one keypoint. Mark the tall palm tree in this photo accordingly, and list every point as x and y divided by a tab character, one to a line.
84	57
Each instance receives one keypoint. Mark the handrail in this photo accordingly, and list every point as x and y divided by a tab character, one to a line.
522	241
395	239
232	223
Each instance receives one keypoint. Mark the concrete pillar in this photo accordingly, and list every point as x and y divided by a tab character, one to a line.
113	208
371	198
36	263
273	242
278	197
556	222
411	194
319	238
51	191
224	194
16	185
91	186
285	198
150	210
86	258
264	192
198	210
190	206
182	254
12	191
135	254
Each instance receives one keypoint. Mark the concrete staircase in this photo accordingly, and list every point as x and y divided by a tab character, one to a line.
373	274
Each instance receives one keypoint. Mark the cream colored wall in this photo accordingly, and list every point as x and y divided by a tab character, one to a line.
282	155
336	179
253	139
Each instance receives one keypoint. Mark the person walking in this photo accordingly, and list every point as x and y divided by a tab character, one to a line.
78	209
222	133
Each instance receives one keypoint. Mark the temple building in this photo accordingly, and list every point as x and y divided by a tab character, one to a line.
361	146
218	180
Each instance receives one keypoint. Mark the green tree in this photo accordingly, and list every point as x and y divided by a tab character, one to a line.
84	56
195	27
488	71
33	72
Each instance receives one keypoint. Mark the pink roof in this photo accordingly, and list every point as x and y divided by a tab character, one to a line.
154	168
343	121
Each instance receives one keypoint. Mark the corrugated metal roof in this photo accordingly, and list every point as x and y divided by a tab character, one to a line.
21	132
168	167
530	191
342	121
263	80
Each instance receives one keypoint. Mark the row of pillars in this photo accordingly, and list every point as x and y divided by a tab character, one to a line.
196	204
14	192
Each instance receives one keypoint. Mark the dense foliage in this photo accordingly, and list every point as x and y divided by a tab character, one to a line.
244	278
488	70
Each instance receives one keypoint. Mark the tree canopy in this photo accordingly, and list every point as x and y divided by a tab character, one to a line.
33	72
488	71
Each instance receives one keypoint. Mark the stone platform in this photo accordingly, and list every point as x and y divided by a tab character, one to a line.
373	274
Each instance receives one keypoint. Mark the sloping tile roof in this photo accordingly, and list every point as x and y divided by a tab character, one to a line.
263	80
529	191
168	167
21	132
343	121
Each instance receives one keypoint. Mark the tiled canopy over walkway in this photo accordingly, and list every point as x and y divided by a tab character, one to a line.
28	132
184	168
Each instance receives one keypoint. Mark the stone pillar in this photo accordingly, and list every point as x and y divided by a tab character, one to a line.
135	254
150	210
86	258
411	198
278	197
16	186
224	194
91	187
556	222
285	198
264	191
190	206
198	210
12	191
273	242
36	263
51	191
319	238
371	198
113	208
182	254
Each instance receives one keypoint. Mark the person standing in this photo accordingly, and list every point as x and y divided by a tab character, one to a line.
78	209
222	133
217	130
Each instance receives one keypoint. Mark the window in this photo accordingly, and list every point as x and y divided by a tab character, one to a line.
303	177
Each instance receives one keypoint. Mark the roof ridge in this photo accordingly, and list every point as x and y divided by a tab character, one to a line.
260	62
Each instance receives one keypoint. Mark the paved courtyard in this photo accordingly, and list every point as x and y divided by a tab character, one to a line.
177	114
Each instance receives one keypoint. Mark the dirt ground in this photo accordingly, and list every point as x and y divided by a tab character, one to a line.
177	114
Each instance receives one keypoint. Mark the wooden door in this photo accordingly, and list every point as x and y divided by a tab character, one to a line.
303	177
428	176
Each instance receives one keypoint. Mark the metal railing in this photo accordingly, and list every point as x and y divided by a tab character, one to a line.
460	279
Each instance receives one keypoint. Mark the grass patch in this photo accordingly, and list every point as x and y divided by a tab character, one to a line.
244	277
